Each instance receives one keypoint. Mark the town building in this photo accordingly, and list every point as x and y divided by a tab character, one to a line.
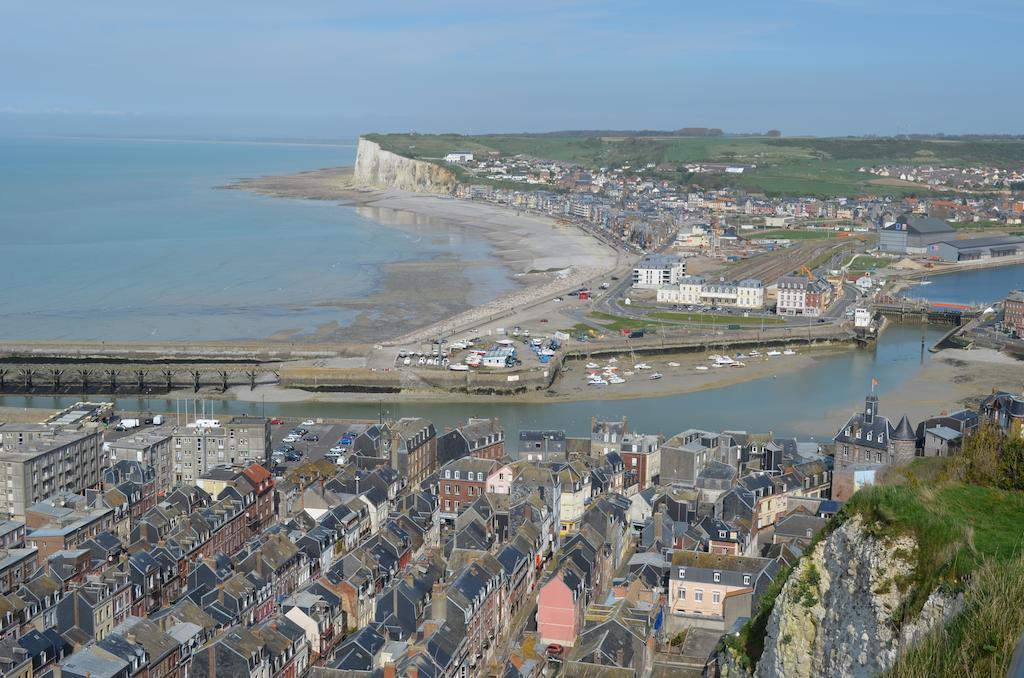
715	590
39	461
481	438
799	295
976	249
657	270
461	482
1013	313
695	289
206	443
912	234
542	446
413	449
152	447
866	443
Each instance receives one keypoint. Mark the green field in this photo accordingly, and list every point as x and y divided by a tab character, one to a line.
716	318
866	263
784	166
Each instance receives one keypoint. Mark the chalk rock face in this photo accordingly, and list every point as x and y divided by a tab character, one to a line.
835	615
377	168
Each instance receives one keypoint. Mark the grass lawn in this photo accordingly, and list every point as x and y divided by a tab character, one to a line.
719	319
866	263
618	323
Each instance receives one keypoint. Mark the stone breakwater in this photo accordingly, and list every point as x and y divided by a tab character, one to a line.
377	168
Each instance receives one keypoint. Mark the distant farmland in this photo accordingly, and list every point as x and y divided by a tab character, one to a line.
824	167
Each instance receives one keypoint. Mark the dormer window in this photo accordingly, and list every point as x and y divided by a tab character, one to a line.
718	577
456	475
447	473
869	436
682	573
721	534
746	580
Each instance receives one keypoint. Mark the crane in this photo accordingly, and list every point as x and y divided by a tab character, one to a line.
807	272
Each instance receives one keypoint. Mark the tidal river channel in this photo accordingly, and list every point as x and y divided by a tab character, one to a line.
808	402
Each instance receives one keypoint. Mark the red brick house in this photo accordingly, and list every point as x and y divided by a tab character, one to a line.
461	482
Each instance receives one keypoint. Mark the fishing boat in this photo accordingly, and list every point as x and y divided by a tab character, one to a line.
673	364
656	375
723	360
613	360
738	364
774	353
616	380
458	367
789	351
641	366
628	373
592	366
755	354
702	368
597	382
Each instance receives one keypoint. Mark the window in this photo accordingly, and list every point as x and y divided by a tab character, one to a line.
447	473
716	597
698	596
456	475
718	577
682	594
746	580
878	455
682	573
846	450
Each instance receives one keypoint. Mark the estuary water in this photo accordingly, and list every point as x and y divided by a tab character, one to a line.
133	240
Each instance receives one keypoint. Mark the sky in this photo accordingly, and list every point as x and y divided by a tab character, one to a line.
336	69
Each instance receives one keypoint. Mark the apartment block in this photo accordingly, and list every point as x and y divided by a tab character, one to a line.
207	443
152	448
38	461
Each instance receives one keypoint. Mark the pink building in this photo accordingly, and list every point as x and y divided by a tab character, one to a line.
561	602
500	480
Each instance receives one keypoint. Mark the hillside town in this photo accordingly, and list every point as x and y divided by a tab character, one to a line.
644	208
163	548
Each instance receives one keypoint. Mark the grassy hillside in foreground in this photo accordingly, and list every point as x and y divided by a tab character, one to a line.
790	166
970	532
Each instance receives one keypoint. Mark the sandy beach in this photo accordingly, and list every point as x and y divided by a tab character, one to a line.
423	299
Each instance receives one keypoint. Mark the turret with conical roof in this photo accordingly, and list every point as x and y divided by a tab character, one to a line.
903	440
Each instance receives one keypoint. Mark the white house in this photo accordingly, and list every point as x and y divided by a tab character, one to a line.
694	289
459	157
656	270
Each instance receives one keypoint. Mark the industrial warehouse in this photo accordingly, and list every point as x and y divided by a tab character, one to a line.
977	249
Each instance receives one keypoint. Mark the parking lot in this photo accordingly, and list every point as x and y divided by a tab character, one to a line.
306	449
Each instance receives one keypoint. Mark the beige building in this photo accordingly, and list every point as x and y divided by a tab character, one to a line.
39	460
695	290
151	447
205	444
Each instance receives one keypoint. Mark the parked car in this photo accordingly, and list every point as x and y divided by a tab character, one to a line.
554	651
276	422
309	422
312	438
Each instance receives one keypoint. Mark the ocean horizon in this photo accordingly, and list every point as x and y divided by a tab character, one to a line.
134	239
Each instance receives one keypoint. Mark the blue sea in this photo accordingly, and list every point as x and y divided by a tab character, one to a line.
133	240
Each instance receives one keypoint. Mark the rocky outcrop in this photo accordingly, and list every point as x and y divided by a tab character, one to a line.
377	168
834	616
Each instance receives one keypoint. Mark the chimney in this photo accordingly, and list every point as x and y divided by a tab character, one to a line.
413	672
438	603
389	670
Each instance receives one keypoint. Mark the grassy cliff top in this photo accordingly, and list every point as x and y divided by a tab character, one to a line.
787	165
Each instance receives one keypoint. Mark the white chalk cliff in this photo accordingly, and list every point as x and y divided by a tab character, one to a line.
377	168
835	614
